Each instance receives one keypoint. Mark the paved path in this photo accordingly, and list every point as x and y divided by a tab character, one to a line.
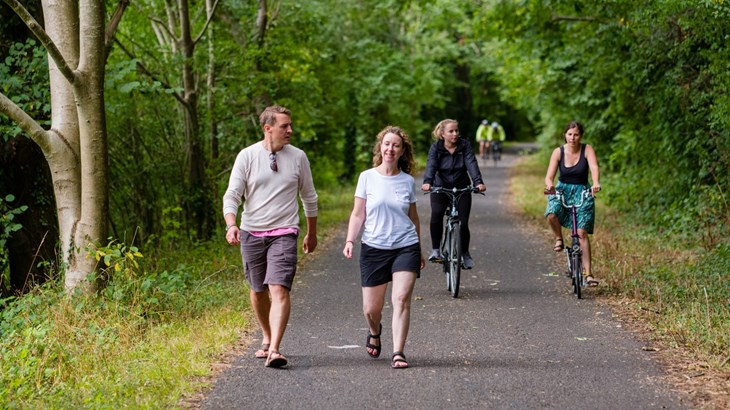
516	338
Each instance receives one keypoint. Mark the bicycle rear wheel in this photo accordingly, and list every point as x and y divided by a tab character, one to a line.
455	259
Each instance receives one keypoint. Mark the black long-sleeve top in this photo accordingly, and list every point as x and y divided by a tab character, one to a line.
449	170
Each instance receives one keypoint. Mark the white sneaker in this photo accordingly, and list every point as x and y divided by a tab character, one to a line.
435	256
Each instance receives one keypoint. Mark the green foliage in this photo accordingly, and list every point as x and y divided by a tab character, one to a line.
648	80
113	260
8	225
344	69
24	79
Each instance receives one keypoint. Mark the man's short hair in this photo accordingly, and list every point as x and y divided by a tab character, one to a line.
268	115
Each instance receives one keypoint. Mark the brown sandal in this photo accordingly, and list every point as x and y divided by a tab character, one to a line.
263	352
276	362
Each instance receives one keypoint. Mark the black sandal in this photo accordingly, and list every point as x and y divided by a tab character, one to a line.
369	345
393	361
558	245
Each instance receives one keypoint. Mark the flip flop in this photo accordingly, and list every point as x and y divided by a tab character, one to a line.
369	345
276	362
558	245
263	352
590	281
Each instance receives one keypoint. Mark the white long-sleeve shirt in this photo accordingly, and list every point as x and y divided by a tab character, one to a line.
270	198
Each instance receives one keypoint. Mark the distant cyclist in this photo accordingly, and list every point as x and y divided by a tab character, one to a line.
495	135
451	164
482	139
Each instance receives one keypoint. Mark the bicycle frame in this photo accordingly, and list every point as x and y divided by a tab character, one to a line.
450	246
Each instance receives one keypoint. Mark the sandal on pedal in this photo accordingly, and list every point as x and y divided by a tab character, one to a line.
558	245
590	281
263	352
369	345
398	363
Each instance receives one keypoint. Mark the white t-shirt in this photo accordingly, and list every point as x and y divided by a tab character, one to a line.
387	200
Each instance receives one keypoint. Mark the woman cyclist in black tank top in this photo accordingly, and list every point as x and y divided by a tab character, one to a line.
574	161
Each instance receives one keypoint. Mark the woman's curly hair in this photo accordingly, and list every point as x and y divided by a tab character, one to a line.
406	162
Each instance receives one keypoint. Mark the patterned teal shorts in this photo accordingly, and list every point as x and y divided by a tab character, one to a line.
586	214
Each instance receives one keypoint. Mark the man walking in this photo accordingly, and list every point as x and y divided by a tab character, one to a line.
267	176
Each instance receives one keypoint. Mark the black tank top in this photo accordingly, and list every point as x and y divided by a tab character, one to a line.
578	173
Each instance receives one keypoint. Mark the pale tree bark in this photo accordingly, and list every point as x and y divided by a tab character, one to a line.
76	144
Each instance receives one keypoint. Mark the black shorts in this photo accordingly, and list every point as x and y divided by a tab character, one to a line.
377	265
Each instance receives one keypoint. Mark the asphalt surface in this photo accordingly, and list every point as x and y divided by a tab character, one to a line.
516	338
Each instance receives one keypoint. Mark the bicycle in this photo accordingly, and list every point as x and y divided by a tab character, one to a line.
450	246
496	151
574	252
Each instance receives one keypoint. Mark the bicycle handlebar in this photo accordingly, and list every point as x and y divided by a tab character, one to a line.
585	193
453	191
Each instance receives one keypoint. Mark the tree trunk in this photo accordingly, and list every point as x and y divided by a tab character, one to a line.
199	212
75	146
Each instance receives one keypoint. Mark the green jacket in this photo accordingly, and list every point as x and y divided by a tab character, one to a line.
481	132
500	133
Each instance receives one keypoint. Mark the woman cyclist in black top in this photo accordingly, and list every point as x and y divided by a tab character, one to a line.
574	160
451	164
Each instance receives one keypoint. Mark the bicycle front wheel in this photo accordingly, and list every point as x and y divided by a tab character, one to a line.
571	270
577	273
445	252
455	259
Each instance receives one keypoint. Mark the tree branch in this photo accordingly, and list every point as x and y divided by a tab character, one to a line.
111	28
42	36
166	29
29	126
555	17
207	22
261	23
147	72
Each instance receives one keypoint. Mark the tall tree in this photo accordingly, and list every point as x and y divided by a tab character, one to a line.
75	146
175	34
